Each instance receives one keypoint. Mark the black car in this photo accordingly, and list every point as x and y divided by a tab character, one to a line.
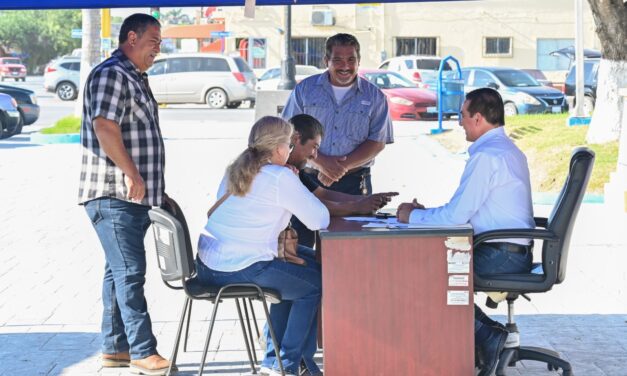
10	119
590	75
26	102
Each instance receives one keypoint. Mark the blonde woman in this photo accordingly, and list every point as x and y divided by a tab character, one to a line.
239	242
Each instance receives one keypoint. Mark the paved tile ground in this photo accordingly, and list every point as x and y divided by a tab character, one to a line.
51	263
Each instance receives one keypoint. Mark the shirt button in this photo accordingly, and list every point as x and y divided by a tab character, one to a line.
337	112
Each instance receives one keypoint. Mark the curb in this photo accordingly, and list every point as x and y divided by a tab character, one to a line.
68	138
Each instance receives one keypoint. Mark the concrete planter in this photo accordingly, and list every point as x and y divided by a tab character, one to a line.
63	138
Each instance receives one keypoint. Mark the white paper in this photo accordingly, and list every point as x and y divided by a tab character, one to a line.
456	297
458	261
458	280
393	223
364	219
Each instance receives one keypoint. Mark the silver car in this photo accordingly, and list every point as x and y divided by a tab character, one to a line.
62	76
214	79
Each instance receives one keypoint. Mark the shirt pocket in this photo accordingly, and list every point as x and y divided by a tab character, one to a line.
357	122
320	109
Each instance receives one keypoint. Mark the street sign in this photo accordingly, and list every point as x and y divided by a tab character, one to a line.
220	34
77	33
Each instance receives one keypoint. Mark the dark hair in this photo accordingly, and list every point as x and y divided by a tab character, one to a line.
307	127
488	103
342	39
138	23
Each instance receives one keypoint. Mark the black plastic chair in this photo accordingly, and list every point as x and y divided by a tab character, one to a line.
176	263
555	232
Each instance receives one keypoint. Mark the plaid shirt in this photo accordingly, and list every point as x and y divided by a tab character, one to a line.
117	91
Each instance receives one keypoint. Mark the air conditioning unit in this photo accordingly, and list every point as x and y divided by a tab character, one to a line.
322	17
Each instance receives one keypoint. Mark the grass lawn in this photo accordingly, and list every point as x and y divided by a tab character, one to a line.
548	141
68	124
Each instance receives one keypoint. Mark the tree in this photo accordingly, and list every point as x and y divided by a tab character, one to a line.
610	17
38	35
90	53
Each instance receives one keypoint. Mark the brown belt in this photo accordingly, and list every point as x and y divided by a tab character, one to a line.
511	247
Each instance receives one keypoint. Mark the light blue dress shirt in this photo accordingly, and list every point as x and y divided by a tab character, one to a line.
362	114
494	191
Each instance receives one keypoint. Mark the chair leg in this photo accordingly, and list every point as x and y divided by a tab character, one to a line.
216	303
250	331
178	335
189	319
252	310
241	322
547	356
277	349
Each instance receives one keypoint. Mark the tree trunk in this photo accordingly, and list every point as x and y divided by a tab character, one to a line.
90	52
610	17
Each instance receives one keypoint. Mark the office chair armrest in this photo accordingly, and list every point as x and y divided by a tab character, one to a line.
541	221
514	233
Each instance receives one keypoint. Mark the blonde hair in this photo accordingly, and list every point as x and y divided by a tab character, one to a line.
265	136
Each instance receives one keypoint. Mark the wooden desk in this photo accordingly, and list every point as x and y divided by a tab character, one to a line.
385	309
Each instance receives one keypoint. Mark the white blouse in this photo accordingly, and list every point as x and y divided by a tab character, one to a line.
244	230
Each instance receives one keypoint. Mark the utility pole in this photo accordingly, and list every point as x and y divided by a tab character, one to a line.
288	69
105	34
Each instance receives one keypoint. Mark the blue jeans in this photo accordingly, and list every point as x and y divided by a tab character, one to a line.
489	259
121	227
294	320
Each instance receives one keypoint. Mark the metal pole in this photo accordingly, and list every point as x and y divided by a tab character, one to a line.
579	79
288	70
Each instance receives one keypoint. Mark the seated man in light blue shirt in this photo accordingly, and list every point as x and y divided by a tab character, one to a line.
494	193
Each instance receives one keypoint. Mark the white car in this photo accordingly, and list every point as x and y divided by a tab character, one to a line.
62	76
217	80
269	80
418	68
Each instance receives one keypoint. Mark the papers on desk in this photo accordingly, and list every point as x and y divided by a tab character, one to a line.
393	223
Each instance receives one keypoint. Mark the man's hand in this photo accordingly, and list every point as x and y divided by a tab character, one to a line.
332	167
325	180
136	187
384	198
405	209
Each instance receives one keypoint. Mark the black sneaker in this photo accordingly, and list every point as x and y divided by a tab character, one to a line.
491	350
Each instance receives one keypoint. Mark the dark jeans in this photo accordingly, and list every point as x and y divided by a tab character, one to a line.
121	227
351	184
490	259
294	319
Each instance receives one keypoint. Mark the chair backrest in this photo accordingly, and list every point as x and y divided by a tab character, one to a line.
175	254
564	213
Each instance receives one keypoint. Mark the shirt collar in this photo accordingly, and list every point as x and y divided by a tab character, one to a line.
497	132
323	79
126	62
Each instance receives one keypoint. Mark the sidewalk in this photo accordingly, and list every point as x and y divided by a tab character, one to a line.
51	262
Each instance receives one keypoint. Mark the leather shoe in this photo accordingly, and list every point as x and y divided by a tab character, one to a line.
153	365
121	359
491	350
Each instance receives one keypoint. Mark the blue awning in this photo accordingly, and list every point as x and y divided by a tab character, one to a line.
82	4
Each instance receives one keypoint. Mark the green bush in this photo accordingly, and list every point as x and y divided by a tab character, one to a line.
68	124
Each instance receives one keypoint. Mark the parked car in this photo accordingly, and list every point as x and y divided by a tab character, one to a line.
269	80
417	68
10	119
12	67
405	100
521	93
26	102
62	76
213	79
539	76
590	77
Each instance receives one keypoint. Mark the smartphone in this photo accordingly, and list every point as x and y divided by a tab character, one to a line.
384	215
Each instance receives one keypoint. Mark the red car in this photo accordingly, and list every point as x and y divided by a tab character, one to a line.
405	100
12	67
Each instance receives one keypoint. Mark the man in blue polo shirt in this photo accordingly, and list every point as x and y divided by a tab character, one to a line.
354	114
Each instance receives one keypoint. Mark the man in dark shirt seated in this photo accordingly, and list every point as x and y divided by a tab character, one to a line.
306	140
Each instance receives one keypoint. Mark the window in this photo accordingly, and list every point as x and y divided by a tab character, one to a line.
546	62
497	46
213	64
256	55
309	51
157	68
241	65
178	65
270	74
482	79
417	46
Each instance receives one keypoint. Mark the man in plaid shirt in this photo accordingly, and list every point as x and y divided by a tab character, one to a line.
121	178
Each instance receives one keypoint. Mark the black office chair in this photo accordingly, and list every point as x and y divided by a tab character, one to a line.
555	232
176	263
